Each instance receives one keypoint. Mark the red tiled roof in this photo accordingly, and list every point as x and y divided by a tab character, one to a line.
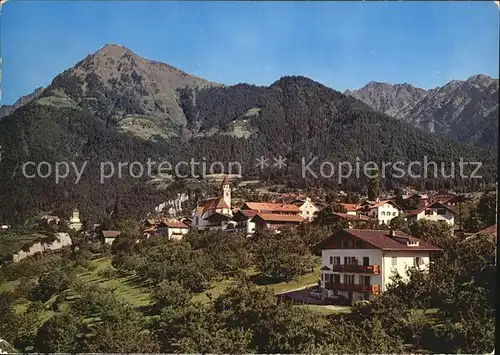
275	207
290	198
248	213
424	207
489	230
111	234
449	200
382	239
350	207
381	203
212	204
351	216
375	204
176	224
280	217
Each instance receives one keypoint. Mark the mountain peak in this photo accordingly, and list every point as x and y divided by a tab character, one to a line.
117	83
112	48
372	84
482	81
479	77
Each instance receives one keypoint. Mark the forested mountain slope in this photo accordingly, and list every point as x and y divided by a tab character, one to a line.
97	112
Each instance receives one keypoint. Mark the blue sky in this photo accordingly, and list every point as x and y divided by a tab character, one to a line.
341	44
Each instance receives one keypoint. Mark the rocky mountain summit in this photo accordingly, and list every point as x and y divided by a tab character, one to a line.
465	110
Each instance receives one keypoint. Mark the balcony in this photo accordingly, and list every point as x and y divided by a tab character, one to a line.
352	287
361	269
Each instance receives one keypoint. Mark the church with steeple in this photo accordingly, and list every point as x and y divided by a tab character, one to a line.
74	221
215	212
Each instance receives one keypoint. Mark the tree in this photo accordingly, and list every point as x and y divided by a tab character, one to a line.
18	328
170	294
312	234
114	325
398	223
373	186
484	215
177	261
229	252
53	282
283	256
58	335
437	233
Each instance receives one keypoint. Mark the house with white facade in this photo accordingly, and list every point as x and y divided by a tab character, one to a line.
434	211
270	215
109	236
171	229
242	222
359	263
276	222
49	219
351	208
384	210
214	213
307	208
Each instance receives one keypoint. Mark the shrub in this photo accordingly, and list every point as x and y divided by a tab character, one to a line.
25	287
108	273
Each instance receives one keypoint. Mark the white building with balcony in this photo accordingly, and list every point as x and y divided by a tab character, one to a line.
358	263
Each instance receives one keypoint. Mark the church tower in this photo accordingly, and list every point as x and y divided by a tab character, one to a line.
74	222
226	192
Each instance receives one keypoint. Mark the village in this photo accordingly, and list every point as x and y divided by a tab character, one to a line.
369	241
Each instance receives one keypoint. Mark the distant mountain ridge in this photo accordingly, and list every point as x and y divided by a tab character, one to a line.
6	110
465	110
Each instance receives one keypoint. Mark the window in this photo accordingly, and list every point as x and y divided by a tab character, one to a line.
331	260
441	211
394	261
366	261
358	244
393	213
350	260
417	261
348	279
428	212
321	277
345	244
382	213
336	278
364	280
336	260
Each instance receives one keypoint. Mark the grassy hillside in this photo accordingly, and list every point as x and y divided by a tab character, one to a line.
137	293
